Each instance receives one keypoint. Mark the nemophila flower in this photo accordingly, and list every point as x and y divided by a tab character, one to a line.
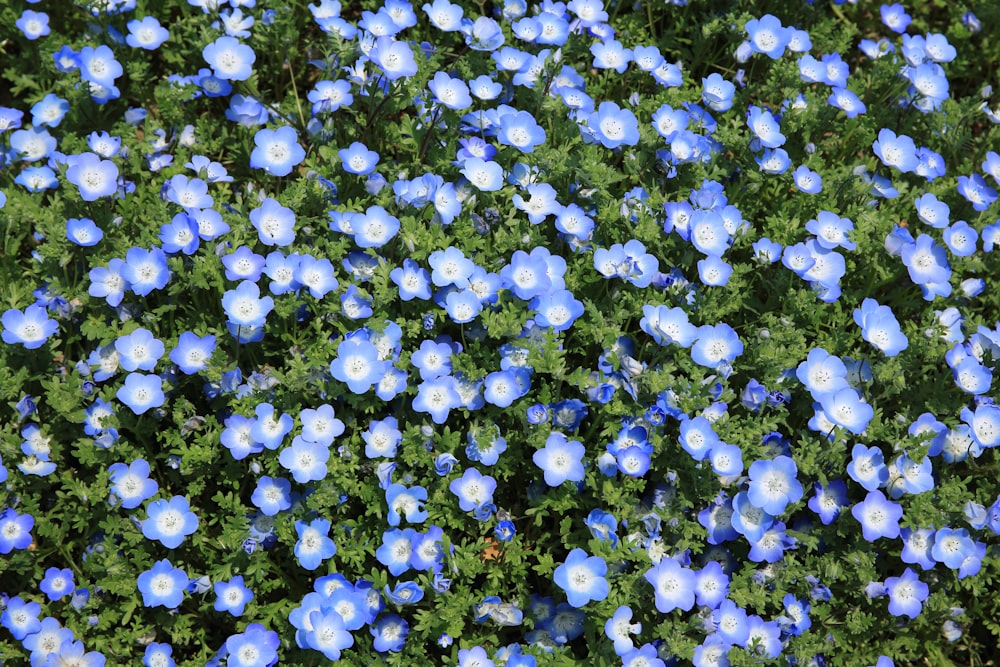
412	280
961	239
668	122
30	327
906	594
21	618
673	585
210	224
581	577
144	270
895	151
880	328
305	460
917	545
473	489
94	177
272	495
98	66
773	161
437	397
932	211
131	483
255	647
33	25
316	274
773	484
314	544
714	271
613	126
232	596
829	501
749	520
619	629
895	18
485	176
139	350
146	33
375	228
697	437
180	235
163	585
715	345
37	179
358	159
275	224
277	151
561	459
952	546
141	391
831	231
976	191
768	36
520	130
389	633
878	516
169	521
717	93
445	16
192	352
408	502
229	59
358	365
237	439
50	110
765	127
57	583
822	372
483	35
245	307
557	310
394	58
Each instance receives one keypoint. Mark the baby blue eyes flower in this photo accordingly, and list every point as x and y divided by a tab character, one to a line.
143	271
358	365
192	352
314	544
131	483
141	392
305	460
358	159
33	25
473	489
561	460
139	350
520	130
895	17
673	585
765	127
57	583
94	177
878	516
717	93
394	58
906	594
485	176
30	327
880	328
169	521
773	485
582	578
768	36
408	502
275	224
163	585
229	59
245	307
256	647
277	151
146	33
895	151
613	126
232	596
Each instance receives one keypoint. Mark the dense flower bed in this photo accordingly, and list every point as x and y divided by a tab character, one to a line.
498	334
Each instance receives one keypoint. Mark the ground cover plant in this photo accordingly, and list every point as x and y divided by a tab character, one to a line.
499	333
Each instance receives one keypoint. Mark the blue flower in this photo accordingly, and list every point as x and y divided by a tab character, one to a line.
906	594
405	501
768	36
358	159
33	25
57	583
21	618
878	516
192	352
232	596
30	327
229	59
143	271
163	585
673	585
561	459
581	577
169	521
245	307
131	483
896	151
141	392
275	224
773	484
94	177
277	151
389	633
765	127
473	489
394	58
255	647
305	460
613	126
146	33
314	544
358	365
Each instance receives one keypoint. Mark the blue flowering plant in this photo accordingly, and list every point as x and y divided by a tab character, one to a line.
515	333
